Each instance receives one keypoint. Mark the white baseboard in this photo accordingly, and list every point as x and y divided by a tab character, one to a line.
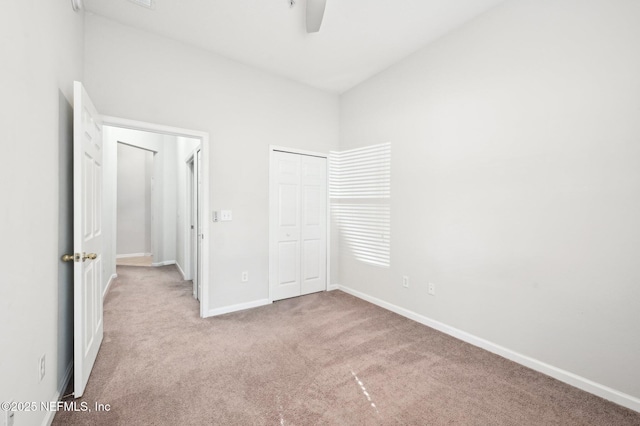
164	263
332	287
124	256
239	307
579	382
48	418
106	289
184	276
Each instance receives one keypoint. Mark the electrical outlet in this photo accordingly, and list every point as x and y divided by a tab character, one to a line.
405	281
41	366
245	276
9	416
432	289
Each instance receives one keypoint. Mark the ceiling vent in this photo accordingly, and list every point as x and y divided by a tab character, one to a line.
149	4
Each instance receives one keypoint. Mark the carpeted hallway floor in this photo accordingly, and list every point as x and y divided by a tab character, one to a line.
327	358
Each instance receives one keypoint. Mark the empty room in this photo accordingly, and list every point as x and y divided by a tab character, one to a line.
305	212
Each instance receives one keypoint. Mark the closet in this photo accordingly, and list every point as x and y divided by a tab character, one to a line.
298	224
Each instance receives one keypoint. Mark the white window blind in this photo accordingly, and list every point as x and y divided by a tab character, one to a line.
360	190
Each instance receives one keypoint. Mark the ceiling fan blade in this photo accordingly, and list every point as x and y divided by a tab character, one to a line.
315	12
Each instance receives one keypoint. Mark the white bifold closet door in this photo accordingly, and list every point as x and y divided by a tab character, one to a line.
298	211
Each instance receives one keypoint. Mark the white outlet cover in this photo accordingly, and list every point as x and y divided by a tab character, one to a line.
42	366
432	289
226	215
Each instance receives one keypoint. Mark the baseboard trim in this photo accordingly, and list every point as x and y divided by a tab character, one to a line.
238	307
48	418
106	289
332	287
184	277
124	256
164	263
572	379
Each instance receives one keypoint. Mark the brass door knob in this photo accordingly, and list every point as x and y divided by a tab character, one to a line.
68	258
90	256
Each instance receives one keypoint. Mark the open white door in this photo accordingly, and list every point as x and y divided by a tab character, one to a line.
87	237
198	191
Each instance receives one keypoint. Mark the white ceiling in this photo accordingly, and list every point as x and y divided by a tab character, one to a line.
358	38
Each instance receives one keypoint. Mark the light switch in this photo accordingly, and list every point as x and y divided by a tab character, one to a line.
225	215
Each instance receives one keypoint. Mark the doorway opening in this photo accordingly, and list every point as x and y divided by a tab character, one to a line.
134	193
156	203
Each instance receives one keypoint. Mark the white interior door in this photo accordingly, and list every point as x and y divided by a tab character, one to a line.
192	226
198	217
87	236
313	238
298	251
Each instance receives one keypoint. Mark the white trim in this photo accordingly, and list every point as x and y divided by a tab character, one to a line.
238	307
48	418
108	286
333	287
297	151
184	277
124	256
572	379
164	263
272	226
205	148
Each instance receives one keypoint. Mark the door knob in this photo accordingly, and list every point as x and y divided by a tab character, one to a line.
90	256
68	258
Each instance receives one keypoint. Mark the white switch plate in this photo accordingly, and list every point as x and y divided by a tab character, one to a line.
245	276
432	289
225	215
405	281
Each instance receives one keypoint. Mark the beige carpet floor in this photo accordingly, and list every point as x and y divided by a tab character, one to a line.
322	359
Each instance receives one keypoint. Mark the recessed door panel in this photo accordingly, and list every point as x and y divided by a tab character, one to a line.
312	205
97	212
310	260
88	193
89	307
288	205
287	263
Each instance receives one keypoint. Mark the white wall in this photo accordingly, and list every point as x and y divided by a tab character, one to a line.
140	76
135	170
41	45
516	182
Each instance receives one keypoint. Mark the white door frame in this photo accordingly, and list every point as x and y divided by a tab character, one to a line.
204	146
194	195
272	224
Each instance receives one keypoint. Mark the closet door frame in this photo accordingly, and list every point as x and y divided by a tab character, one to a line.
273	224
